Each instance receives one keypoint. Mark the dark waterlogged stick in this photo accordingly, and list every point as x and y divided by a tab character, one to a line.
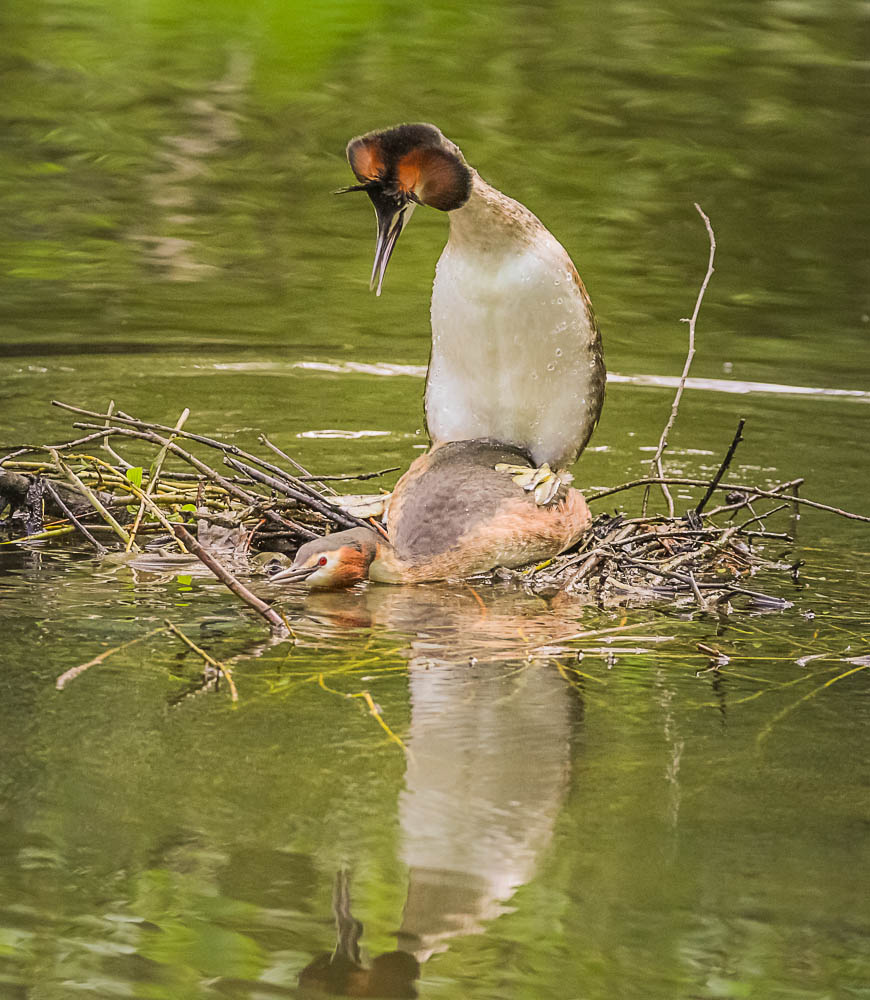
723	468
334	514
276	622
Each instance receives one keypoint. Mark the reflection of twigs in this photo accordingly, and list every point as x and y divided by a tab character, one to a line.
655	464
73	672
208	659
723	468
762	736
373	710
277	623
479	599
591	634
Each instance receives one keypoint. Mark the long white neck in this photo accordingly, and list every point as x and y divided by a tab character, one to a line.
491	222
516	355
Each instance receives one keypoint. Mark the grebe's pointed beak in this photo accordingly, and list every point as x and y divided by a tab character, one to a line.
392	214
292	574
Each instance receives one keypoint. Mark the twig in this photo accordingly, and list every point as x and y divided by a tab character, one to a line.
92	497
154	475
299	468
122	464
74	672
146	500
723	468
40	535
346	477
690	582
231	449
334	514
755	491
699	597
599	553
655	464
55	494
220	667
276	622
206	470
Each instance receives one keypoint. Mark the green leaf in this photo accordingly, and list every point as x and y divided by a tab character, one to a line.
134	475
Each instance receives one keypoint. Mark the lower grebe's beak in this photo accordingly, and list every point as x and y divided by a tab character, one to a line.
292	574
392	214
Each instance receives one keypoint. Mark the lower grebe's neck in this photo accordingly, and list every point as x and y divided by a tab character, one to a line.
491	221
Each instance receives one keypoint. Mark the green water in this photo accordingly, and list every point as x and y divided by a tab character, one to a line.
583	818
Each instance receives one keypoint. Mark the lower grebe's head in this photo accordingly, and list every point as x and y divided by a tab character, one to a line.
399	168
338	560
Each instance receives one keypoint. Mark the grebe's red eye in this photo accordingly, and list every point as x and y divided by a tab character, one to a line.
322	561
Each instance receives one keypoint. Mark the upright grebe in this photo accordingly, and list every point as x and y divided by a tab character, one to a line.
516	352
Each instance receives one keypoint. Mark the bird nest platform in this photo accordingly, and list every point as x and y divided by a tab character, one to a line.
177	494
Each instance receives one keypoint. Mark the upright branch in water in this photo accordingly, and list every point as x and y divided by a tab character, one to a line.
655	468
723	468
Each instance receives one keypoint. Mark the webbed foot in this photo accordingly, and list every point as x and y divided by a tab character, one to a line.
542	481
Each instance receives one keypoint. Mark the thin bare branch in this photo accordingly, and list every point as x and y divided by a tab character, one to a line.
656	463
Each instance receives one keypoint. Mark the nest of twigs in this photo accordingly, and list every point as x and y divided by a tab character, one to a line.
705	557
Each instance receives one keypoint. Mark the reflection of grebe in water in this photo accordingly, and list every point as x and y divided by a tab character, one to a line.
342	972
452	514
488	767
